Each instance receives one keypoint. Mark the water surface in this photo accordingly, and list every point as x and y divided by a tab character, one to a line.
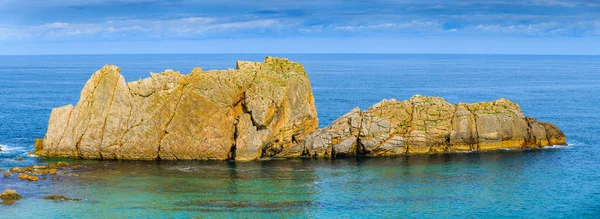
552	182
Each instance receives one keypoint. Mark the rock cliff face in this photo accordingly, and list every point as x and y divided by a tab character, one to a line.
264	110
428	125
258	109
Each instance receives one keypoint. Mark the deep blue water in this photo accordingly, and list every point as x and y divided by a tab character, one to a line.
551	182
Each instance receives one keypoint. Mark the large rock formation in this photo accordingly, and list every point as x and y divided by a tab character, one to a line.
256	110
265	110
428	125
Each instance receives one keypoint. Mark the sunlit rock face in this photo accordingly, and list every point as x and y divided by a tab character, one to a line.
253	111
267	109
426	125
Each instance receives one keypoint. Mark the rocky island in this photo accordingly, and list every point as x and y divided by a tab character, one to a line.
267	109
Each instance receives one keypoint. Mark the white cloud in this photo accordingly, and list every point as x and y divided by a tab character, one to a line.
416	26
554	3
593	4
181	27
553	28
198	19
10	34
56	25
366	27
312	29
58	3
268	23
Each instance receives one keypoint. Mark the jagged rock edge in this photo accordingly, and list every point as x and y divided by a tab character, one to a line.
530	141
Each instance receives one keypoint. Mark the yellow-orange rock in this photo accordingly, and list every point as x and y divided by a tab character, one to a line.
9	197
28	177
62	164
266	109
256	110
425	125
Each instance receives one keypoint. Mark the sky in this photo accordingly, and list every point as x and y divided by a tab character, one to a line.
309	26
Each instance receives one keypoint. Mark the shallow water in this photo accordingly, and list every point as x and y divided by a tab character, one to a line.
551	182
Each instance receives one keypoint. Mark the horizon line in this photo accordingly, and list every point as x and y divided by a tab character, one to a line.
303	53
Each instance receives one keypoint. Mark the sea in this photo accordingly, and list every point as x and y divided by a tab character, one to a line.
552	182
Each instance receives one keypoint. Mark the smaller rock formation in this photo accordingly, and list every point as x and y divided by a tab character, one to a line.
426	125
9	196
33	173
60	198
16	170
24	176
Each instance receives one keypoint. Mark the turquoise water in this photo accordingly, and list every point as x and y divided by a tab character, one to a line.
551	182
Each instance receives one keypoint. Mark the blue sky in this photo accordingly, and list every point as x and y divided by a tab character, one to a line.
285	26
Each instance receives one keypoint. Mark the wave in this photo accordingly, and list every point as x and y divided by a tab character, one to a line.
464	152
185	169
6	149
544	147
573	143
558	146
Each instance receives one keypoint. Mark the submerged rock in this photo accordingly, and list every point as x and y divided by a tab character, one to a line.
256	110
267	109
61	164
60	198
9	196
424	125
29	173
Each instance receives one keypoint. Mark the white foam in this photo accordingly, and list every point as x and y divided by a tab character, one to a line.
558	146
5	148
8	149
185	169
573	143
